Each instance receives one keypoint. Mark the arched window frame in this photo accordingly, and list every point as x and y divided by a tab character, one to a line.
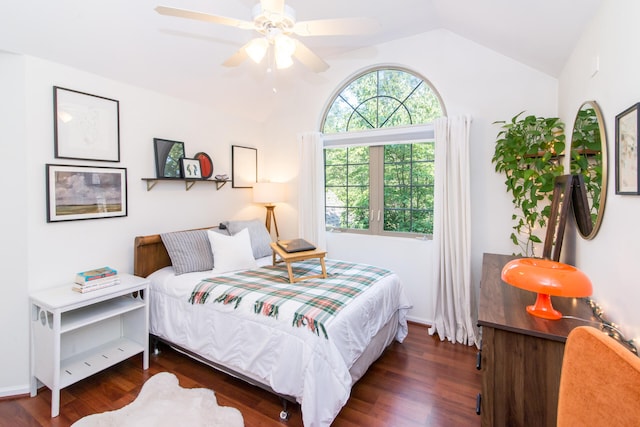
377	139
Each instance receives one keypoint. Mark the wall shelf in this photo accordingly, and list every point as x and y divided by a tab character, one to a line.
188	183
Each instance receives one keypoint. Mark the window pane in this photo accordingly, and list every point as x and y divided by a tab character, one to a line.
335	175
397	197
422	222
336	120
347	187
358	174
422	173
422	198
358	219
398	220
359	154
336	217
364	116
335	156
408	187
424	151
397	83
336	196
359	196
424	105
361	89
397	174
397	153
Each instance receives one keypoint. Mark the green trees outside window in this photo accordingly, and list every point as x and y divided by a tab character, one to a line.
408	187
347	187
386	186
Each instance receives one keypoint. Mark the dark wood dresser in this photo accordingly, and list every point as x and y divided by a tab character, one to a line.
521	355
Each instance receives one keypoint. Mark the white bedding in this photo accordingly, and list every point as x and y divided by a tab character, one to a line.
292	361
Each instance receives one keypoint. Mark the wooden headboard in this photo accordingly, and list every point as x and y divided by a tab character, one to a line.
149	254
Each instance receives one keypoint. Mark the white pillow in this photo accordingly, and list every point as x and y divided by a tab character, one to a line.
231	253
260	237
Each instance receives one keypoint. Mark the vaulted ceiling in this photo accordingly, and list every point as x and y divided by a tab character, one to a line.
126	40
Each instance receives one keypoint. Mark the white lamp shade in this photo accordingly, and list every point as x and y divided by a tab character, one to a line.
268	192
284	49
257	49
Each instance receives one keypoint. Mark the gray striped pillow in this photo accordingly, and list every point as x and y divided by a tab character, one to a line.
260	238
189	250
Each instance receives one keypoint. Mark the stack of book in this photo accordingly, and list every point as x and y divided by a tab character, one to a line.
92	280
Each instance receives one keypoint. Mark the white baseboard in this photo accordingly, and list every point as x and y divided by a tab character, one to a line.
15	391
420	320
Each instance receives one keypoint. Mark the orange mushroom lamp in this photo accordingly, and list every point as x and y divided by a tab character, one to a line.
547	278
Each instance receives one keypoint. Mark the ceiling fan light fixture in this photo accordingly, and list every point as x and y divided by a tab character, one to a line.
271	19
284	19
283	61
284	49
257	49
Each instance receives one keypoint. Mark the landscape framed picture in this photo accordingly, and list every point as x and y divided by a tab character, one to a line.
86	127
85	192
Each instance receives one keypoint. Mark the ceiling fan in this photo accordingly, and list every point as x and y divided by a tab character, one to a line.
276	24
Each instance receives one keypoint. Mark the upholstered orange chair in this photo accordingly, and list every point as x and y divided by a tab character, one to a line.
600	382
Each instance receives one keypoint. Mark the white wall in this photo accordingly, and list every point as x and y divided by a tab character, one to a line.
42	254
13	250
471	80
611	259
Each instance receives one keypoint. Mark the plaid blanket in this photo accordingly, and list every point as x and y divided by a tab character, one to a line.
310	303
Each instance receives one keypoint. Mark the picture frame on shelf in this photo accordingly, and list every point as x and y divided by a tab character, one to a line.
627	160
167	155
206	164
85	192
86	126
191	168
244	166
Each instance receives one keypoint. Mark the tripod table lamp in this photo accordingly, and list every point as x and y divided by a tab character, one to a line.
269	193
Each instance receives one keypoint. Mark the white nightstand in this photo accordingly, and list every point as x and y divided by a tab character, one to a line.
75	335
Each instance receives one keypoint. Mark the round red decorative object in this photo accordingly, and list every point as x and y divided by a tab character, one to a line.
206	165
546	278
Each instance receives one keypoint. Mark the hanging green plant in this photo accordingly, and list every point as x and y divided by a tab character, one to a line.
527	152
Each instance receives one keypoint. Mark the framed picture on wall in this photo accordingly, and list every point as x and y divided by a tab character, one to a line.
86	127
244	166
85	192
627	166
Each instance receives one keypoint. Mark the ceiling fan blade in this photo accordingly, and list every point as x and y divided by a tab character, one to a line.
273	6
237	58
206	17
308	58
336	27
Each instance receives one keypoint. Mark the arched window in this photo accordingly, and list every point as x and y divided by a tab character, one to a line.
379	154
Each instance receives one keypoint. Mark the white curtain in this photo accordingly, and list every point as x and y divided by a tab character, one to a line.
451	233
311	223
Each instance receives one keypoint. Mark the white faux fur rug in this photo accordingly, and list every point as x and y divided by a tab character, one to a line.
162	402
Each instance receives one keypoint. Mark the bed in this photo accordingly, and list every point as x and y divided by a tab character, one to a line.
310	361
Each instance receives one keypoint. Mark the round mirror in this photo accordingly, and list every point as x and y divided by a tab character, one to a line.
589	159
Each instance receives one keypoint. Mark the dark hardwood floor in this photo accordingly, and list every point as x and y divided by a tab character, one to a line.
422	382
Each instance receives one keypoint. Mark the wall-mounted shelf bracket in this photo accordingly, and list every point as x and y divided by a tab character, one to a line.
188	183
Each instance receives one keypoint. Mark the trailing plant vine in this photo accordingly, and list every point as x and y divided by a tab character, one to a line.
527	151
